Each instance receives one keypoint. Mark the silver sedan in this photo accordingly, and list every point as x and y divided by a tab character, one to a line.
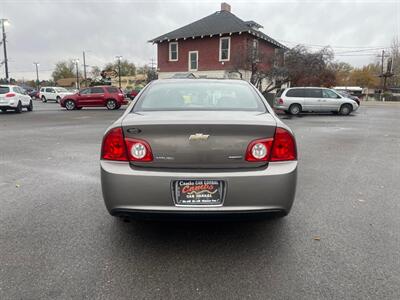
197	147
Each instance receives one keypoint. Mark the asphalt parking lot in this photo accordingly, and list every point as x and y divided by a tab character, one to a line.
341	240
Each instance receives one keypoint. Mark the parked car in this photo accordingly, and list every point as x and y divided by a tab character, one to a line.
315	99
53	93
34	94
198	147
132	94
15	98
108	96
350	96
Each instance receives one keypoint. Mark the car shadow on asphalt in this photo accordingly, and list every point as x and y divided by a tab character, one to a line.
199	234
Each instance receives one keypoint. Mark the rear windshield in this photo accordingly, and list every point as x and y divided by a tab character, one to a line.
199	95
4	89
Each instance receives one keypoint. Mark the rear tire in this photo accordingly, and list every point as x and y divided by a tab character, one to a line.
111	104
345	109
70	105
58	99
18	109
295	109
44	100
30	106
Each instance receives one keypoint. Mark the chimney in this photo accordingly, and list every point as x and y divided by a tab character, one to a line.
225	7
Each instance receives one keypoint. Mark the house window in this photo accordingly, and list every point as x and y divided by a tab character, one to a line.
255	50
224	48
173	51
193	60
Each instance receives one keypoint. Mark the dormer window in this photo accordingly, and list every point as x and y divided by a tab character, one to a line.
173	51
224	48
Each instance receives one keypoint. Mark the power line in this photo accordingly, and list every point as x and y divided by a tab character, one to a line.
333	46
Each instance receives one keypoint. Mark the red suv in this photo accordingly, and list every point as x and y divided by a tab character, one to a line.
108	96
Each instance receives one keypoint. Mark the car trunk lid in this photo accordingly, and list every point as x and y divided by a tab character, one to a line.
199	139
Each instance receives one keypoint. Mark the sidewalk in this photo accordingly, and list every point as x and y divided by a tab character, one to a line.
378	103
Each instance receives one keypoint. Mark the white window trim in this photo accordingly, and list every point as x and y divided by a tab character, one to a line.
170	52
197	61
229	48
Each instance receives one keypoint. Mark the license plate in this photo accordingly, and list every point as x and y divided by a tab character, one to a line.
198	192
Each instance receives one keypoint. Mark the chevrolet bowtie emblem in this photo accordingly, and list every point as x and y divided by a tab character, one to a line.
198	137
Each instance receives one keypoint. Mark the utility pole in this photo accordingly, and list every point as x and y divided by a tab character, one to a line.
76	61
84	68
119	69
384	75
3	21
37	74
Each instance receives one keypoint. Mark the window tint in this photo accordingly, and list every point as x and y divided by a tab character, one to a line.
42	89
279	93
49	90
295	93
96	90
201	96
329	94
112	89
4	89
313	93
84	92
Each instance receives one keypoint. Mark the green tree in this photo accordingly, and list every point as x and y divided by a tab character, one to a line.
64	69
127	68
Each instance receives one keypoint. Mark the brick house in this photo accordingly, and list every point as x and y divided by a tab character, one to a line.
215	46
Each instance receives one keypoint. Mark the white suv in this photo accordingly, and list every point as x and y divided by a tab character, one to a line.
53	93
14	97
316	99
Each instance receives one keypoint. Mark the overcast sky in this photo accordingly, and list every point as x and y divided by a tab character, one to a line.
51	30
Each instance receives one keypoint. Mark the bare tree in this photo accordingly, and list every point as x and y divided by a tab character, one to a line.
271	69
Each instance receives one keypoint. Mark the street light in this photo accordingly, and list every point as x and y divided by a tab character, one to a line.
119	69
76	62
5	22
37	74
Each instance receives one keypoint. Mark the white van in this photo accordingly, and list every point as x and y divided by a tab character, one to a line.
315	99
53	93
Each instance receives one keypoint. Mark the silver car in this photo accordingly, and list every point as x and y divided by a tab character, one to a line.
197	147
312	99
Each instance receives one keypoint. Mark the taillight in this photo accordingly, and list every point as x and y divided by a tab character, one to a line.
280	101
138	150
280	148
8	95
113	147
259	150
116	147
284	147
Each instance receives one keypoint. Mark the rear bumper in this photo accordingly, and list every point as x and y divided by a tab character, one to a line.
131	191
8	105
281	107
